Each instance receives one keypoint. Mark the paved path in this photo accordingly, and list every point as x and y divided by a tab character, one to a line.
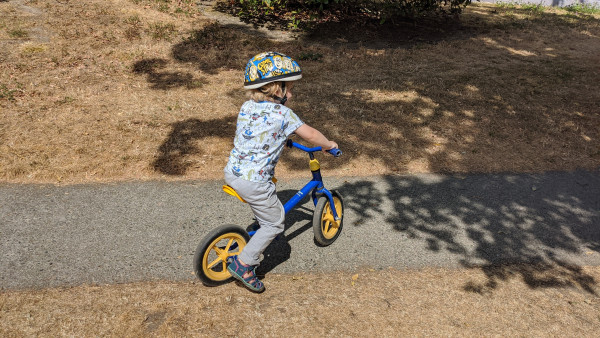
69	235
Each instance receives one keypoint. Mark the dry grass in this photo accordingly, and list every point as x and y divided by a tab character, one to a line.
121	90
390	303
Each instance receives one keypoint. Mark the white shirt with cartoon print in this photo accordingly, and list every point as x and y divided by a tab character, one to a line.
262	129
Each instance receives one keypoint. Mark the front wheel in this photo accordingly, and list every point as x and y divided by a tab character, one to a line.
210	259
325	227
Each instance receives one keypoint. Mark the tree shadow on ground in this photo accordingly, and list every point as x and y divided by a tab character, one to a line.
532	227
173	154
351	34
444	112
217	47
161	79
404	97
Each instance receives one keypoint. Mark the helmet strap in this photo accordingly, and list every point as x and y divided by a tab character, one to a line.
284	99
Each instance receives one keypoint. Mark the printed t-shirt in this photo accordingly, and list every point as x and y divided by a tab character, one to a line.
261	132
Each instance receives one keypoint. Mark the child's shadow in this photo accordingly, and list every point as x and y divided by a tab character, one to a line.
280	250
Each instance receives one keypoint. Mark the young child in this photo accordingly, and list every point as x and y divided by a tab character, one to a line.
263	126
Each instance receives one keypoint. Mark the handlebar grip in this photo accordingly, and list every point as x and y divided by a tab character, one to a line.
335	152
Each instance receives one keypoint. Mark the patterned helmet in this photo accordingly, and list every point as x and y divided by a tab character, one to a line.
270	67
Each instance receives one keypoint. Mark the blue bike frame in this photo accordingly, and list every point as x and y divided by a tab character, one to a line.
315	187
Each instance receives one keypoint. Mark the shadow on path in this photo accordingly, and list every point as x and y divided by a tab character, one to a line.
532	227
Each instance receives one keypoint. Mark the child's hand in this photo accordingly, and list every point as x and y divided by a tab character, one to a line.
332	145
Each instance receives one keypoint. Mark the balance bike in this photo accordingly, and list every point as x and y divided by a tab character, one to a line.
226	241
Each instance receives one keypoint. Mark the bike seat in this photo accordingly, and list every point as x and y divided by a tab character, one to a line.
228	189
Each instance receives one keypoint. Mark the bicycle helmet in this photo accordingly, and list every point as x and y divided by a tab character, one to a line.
270	67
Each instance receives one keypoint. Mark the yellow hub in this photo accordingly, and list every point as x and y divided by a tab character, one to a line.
218	254
329	226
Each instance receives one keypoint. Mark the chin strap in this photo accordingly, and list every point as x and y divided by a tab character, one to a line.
284	99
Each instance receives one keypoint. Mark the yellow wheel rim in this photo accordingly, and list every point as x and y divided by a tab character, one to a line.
214	262
329	226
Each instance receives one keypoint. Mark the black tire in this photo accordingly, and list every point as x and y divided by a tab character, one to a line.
211	267
327	230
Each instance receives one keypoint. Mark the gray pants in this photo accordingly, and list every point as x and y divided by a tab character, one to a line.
268	211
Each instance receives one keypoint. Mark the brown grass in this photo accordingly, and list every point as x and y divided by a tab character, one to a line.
389	303
121	90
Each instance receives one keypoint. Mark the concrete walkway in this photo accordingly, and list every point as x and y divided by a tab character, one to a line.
70	235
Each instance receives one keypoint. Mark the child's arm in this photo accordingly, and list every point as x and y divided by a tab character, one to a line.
315	137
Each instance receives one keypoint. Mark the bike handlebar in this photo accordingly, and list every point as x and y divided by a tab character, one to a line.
335	151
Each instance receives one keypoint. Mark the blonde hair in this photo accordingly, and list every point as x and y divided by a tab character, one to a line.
265	93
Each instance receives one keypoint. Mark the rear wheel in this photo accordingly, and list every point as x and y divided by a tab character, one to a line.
325	227
210	259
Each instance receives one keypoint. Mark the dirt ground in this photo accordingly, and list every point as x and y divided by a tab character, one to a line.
105	91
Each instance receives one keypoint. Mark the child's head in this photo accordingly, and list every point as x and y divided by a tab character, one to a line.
268	76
